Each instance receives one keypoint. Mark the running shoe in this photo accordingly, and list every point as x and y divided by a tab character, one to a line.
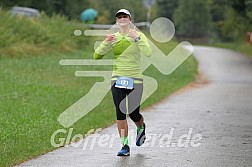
125	151
140	137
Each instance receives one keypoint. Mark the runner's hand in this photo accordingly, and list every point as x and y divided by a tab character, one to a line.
110	38
133	33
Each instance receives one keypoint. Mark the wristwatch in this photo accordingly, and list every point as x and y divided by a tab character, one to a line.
137	39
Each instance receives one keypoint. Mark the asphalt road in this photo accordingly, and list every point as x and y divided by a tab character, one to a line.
209	124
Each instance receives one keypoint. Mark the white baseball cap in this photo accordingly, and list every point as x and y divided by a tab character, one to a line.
125	11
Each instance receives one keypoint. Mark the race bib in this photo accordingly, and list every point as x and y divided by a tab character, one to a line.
124	82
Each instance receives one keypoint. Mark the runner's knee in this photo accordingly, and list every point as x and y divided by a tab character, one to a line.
135	116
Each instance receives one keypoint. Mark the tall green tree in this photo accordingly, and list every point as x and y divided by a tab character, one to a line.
166	8
244	9
192	18
238	20
218	10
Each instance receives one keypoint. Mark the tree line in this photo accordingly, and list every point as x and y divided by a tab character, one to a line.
223	20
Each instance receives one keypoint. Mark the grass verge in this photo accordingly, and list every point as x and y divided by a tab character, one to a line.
239	47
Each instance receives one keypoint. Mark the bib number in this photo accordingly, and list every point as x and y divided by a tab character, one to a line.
124	82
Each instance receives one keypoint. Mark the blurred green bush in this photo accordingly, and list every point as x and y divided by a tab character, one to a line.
24	36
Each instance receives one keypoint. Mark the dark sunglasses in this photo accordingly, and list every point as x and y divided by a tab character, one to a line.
122	16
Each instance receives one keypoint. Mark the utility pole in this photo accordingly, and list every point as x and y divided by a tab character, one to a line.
148	4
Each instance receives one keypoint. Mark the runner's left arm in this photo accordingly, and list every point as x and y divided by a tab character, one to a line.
144	45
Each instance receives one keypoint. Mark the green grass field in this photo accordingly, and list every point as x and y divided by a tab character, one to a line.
34	90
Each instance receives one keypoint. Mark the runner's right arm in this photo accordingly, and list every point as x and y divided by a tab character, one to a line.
104	47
